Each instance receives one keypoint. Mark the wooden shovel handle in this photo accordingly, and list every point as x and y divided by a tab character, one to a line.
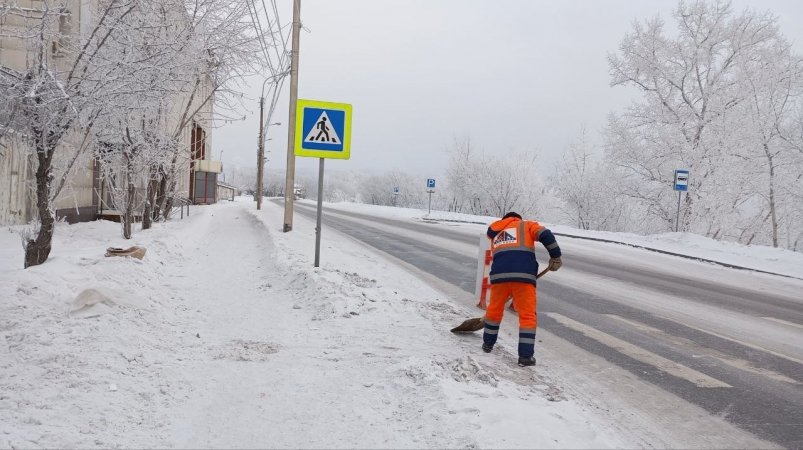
543	272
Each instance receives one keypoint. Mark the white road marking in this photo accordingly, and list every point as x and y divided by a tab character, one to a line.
738	363
791	324
640	326
678	370
691	313
746	344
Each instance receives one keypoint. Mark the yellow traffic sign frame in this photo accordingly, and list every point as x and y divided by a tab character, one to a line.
301	106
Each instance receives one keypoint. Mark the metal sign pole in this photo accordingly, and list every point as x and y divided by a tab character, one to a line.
323	130
320	209
681	184
429	208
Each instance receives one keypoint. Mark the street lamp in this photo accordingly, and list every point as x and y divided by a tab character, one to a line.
261	143
261	160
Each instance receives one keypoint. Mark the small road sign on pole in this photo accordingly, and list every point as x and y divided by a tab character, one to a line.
681	185
323	130
430	190
681	180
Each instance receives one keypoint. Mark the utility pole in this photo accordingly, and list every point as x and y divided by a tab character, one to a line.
260	153
289	186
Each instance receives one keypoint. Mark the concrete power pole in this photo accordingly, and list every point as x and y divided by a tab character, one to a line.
289	186
260	153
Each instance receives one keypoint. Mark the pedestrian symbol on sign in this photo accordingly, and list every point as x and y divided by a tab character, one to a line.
323	131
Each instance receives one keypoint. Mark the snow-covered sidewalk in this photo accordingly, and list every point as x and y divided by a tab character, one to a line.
224	335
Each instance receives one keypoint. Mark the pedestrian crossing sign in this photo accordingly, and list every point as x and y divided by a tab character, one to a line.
323	129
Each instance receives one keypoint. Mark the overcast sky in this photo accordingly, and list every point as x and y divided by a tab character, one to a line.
512	75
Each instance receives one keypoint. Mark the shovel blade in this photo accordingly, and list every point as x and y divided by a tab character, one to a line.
470	325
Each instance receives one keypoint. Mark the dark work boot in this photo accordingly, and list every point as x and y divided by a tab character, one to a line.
487	348
527	361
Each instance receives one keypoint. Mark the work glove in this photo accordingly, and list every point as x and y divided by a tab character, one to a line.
554	264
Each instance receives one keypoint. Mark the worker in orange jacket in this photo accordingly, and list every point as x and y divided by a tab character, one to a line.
513	272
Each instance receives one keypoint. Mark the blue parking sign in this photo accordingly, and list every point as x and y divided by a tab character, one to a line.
430	183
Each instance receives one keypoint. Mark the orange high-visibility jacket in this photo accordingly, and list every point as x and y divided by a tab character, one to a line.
513	248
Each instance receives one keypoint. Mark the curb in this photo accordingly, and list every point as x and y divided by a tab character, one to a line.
665	252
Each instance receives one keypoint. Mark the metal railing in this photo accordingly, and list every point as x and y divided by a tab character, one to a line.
182	202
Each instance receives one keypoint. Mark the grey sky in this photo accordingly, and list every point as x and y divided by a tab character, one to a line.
520	75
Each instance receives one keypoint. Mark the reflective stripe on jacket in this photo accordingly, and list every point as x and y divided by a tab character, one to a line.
513	249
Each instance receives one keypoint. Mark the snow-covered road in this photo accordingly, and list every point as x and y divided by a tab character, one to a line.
723	339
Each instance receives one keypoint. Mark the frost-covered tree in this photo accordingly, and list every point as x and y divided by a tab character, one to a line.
217	49
92	84
585	187
378	190
58	94
131	136
773	80
714	94
464	165
244	178
493	184
189	54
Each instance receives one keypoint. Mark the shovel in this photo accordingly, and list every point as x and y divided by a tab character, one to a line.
477	323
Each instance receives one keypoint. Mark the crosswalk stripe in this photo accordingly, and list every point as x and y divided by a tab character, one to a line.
678	370
737	363
791	324
746	344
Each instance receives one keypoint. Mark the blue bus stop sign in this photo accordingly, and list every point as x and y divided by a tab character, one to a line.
681	180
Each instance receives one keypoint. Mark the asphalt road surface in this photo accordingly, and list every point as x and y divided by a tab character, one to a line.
729	341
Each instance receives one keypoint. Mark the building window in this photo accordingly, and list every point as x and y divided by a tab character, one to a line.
59	45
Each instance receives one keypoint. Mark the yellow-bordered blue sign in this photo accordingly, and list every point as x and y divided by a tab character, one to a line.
323	129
